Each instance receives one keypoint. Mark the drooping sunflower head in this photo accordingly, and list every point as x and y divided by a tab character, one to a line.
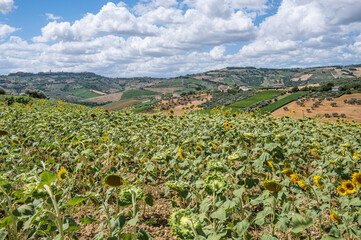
62	174
350	187
342	190
272	185
304	186
287	172
270	164
319	181
113	180
295	177
335	218
356	178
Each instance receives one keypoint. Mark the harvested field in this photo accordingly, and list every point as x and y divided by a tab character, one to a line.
124	104
352	112
106	98
164	90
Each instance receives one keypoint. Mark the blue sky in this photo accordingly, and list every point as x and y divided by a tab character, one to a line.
168	38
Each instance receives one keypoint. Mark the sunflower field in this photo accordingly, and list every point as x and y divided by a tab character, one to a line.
72	172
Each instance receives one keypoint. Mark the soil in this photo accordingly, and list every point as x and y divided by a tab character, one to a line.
106	98
124	104
353	112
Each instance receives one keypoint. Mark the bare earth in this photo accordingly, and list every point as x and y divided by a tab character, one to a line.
106	98
124	104
353	112
98	92
304	77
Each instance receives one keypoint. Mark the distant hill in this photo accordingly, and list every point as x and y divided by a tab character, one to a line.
86	86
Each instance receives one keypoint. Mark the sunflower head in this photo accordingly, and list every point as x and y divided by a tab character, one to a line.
335	218
295	177
304	186
62	174
342	190
356	178
319	181
113	180
271	165
350	187
287	172
272	185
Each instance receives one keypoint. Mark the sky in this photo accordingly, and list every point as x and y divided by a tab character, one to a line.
168	38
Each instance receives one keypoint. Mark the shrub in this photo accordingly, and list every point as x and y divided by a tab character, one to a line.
2	91
333	104
35	93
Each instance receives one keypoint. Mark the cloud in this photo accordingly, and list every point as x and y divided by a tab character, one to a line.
52	17
6	30
6	6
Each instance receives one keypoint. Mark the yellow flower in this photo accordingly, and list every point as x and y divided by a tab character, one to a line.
271	165
304	186
318	180
335	218
356	178
349	186
180	154
355	156
214	146
104	139
272	185
342	190
295	178
62	174
343	152
287	172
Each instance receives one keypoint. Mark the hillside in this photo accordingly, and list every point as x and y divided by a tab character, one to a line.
96	89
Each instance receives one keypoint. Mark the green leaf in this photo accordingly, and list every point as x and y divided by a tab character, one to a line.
78	199
117	222
220	214
149	200
47	178
88	220
242	227
3	233
329	238
133	221
24	210
7	220
239	192
355	202
283	223
299	223
252	182
266	236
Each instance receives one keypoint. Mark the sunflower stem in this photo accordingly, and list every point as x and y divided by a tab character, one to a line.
56	207
13	219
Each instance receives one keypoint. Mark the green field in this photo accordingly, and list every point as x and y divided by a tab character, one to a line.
280	103
264	95
80	92
134	93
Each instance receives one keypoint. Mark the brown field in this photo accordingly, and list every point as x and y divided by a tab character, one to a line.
304	77
164	90
98	92
353	112
106	98
124	104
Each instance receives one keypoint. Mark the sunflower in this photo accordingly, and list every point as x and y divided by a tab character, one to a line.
180	154
350	187
342	190
62	174
319	181
214	146
355	156
272	185
304	186
271	165
356	178
113	180
287	172
335	218
295	177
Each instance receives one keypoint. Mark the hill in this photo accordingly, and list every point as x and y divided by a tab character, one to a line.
94	89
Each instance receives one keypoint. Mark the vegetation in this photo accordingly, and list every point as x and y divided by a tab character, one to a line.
137	94
280	103
65	167
83	93
263	95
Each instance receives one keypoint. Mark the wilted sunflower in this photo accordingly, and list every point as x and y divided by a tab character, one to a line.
350	187
288	172
113	180
62	174
180	154
355	156
335	218
304	186
342	190
356	178
272	185
319	181
295	177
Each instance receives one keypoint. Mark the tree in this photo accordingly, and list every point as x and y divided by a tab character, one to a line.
2	91
35	93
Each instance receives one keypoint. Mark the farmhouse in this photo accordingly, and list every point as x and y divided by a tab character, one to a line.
175	95
336	89
224	88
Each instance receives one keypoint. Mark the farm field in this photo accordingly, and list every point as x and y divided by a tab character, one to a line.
352	112
106	98
282	101
264	95
67	171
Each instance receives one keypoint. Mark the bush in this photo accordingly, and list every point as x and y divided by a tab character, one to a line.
333	104
2	91
35	93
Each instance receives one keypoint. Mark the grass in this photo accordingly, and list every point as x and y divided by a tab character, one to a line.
83	93
264	95
133	93
280	103
141	109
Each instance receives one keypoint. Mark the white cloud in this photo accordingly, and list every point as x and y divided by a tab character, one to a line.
52	17
6	6
6	30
